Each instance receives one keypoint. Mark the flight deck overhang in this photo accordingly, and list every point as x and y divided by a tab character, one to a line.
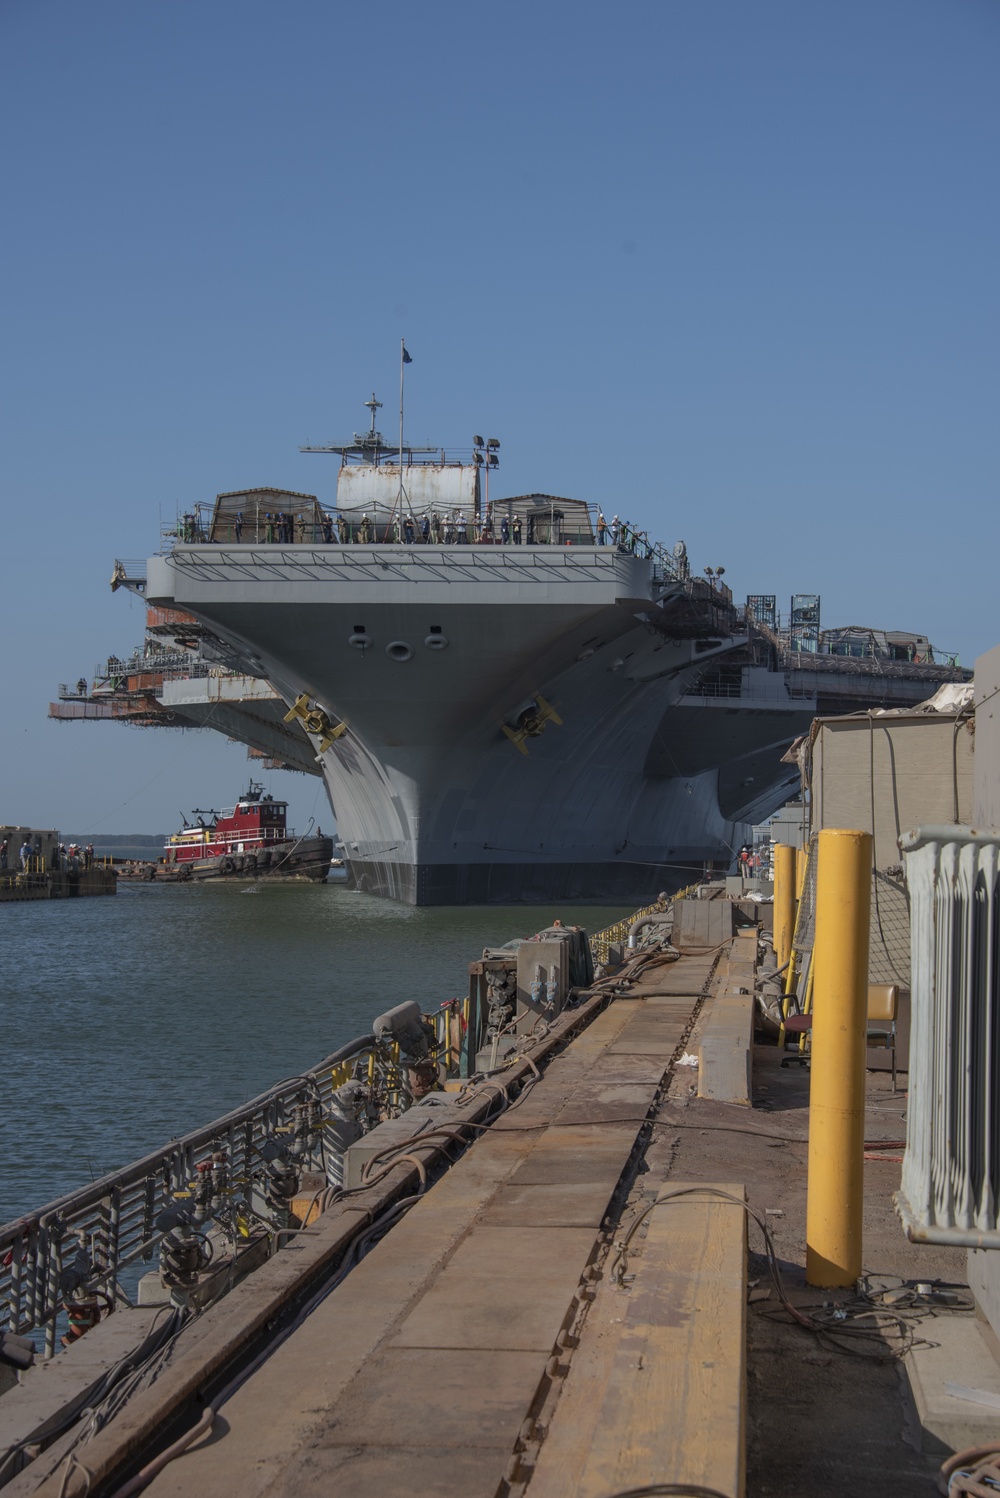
388	575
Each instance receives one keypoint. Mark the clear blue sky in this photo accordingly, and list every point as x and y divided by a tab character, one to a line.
728	268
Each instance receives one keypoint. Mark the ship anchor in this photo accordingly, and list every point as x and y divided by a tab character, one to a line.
315	720
531	723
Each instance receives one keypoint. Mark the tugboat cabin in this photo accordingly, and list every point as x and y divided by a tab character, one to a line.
257	820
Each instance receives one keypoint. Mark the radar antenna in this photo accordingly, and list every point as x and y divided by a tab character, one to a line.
373	406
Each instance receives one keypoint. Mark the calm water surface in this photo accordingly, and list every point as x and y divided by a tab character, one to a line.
130	1020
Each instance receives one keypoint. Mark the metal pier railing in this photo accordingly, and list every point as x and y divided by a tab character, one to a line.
105	1231
112	1221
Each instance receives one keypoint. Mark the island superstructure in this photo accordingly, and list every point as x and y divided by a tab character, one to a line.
497	720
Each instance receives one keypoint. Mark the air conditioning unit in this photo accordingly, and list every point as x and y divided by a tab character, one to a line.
951	1170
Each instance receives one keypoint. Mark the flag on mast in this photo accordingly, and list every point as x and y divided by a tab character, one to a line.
402	496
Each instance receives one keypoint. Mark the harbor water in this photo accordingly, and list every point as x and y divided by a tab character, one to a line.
128	1021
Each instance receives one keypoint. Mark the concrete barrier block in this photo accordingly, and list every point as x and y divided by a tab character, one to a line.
725	1055
701	924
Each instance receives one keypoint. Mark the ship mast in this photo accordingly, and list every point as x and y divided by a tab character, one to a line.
403	356
366	447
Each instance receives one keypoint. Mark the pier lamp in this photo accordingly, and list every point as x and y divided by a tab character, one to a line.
492	461
485	455
479	458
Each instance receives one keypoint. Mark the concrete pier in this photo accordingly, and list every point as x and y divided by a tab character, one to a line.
421	1373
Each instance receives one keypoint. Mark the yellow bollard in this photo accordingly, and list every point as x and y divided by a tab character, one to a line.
801	864
835	1202
784	901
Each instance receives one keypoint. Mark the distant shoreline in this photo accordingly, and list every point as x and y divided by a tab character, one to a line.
117	839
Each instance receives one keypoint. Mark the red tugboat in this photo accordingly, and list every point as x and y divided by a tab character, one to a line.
252	841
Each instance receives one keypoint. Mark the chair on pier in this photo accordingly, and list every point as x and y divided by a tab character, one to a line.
883	1003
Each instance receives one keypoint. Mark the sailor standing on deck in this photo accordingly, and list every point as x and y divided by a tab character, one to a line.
517	530
504	530
602	529
425	529
463	530
238	527
616	530
436	528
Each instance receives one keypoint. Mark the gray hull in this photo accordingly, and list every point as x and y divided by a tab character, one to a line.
425	653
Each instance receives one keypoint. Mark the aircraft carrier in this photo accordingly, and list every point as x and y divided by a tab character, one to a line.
512	699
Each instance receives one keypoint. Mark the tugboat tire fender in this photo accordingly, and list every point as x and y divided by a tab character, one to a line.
226	866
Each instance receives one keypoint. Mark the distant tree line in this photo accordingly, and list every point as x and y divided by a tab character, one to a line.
119	840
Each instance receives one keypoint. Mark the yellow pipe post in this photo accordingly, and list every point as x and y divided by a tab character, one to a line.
835	1203
801	864
784	901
